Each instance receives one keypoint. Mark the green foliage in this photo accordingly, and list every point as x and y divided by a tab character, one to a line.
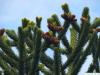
73	38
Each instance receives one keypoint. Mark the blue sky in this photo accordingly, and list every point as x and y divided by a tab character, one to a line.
12	11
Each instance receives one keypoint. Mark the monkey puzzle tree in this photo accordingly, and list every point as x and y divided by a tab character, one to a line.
32	43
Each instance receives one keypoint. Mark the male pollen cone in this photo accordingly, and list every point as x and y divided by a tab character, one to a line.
50	38
2	32
69	17
55	40
73	19
83	19
95	29
55	28
98	29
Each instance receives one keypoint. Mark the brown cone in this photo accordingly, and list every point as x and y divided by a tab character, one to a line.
2	32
